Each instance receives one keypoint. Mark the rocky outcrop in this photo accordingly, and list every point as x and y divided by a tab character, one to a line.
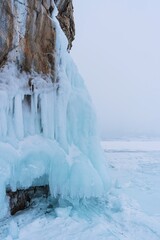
6	30
22	199
27	28
65	17
39	39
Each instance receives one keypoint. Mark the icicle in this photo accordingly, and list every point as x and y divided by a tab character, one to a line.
32	116
3	200
37	113
4	102
44	114
50	108
35	102
11	133
18	116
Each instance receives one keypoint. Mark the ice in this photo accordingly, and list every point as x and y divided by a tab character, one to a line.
48	132
131	212
3	113
13	230
63	212
18	116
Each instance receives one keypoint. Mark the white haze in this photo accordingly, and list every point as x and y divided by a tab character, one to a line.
117	49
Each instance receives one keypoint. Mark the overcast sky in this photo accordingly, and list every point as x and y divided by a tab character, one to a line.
117	51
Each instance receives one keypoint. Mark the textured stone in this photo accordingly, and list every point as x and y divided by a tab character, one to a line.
21	199
66	19
6	30
36	46
39	40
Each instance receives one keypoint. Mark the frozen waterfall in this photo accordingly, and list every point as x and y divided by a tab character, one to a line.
48	132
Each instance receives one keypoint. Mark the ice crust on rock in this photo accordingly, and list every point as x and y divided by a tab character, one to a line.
48	132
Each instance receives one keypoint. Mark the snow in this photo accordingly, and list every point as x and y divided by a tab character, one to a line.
63	212
48	131
131	210
132	145
13	229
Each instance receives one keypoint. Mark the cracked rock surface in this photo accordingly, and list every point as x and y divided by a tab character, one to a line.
27	29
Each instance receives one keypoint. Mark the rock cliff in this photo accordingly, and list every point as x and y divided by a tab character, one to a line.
48	130
26	28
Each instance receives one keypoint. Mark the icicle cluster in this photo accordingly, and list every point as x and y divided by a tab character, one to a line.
48	132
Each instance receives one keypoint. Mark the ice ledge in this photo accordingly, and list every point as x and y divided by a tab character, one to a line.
69	174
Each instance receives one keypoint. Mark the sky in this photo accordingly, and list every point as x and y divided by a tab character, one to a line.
117	51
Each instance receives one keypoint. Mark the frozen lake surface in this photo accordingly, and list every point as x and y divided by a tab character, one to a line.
131	212
136	165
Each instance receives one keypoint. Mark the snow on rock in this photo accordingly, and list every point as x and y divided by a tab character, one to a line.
49	129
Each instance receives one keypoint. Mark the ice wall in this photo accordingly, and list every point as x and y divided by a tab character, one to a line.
48	131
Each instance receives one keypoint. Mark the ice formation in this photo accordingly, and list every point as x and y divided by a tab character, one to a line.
48	132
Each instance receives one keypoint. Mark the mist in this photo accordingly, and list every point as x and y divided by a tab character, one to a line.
117	51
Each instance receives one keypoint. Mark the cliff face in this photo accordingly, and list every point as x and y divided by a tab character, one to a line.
48	134
6	30
28	42
66	19
27	33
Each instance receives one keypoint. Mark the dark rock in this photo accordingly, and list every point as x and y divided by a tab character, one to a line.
6	30
21	199
66	20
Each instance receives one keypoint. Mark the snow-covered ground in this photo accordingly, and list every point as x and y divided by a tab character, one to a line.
131	211
130	145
